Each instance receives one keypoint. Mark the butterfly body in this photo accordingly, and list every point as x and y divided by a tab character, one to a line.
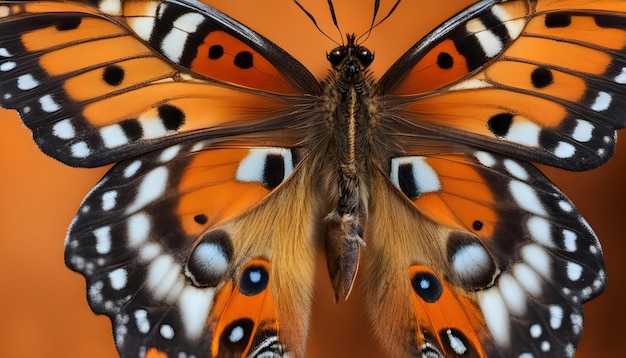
235	165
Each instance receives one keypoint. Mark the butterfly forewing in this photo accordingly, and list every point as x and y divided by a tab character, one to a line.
91	125
566	84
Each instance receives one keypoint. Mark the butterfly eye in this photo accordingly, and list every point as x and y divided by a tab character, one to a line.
337	55
365	56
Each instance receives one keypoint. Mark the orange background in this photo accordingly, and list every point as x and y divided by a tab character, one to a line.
43	311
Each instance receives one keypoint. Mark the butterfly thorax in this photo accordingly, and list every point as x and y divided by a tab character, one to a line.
348	104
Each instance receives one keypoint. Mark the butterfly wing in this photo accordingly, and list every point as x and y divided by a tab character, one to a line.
177	71
540	81
174	242
496	261
185	252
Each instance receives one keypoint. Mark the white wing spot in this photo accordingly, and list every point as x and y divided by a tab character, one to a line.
48	104
162	275
113	136
496	316
526	197
535	330
455	343
4	52
537	258
149	251
569	240
565	206
80	150
514	27
513	294
540	230
564	150
27	82
516	169
152	187
132	169
583	131
471	261
426	179
489	42
103	239
602	102
111	7
236	334
194	305
109	200
171	44
142	322
485	159
528	279
621	78
118	279
143	26
169	153
556	317
64	129
577	323
574	271
138	227
166	331
7	66
524	132
251	168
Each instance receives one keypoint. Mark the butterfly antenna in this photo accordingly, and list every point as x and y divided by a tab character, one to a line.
374	25
312	18
333	15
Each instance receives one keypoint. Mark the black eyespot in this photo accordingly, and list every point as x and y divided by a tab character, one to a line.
427	286
200	219
477	225
445	61
273	171
558	19
365	56
113	75
172	117
500	124
132	129
337	55
68	23
541	77
215	52
236	336
254	280
243	60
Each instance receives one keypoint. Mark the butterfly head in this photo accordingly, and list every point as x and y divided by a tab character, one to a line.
350	58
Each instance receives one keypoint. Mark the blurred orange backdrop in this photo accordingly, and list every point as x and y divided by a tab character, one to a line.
43	310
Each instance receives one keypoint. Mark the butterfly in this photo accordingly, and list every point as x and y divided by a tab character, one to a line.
235	166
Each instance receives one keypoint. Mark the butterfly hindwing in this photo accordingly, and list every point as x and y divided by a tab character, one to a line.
178	251
509	76
496	259
103	105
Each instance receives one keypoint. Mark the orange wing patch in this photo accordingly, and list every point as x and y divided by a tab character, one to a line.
246	316
442	311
